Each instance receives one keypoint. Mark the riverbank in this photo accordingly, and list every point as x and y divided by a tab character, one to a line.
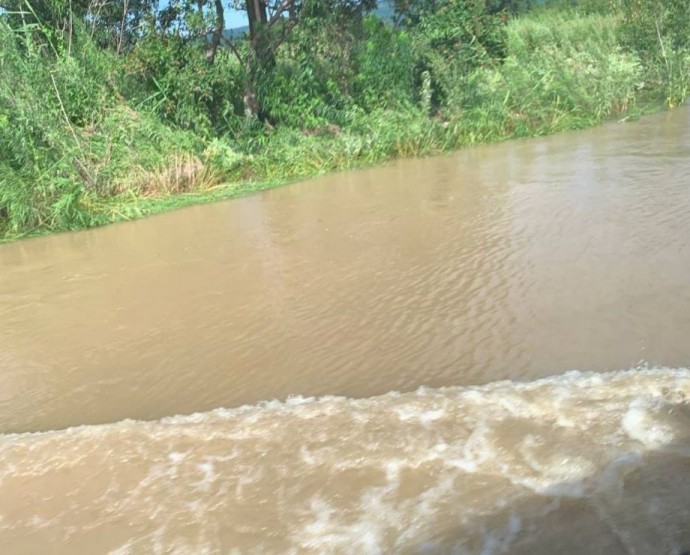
560	71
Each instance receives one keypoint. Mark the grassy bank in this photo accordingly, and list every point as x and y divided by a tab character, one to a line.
83	143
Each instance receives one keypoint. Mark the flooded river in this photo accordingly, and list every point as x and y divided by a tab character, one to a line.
480	353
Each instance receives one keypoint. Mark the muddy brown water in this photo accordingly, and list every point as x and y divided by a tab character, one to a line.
486	276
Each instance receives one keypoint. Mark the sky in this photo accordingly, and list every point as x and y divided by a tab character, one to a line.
233	18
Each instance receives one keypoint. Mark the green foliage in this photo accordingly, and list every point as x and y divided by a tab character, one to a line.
387	80
107	25
311	82
650	26
299	93
582	7
65	139
100	121
222	158
510	6
452	38
463	30
171	78
559	73
39	169
370	138
659	31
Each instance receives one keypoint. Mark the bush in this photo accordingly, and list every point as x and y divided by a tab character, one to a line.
384	80
452	38
652	26
659	31
171	78
66	139
559	73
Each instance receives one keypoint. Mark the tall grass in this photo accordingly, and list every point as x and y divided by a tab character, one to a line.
562	71
67	139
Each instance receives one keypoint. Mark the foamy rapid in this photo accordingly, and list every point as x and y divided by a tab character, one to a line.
578	463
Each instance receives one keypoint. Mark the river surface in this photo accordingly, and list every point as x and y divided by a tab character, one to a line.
480	353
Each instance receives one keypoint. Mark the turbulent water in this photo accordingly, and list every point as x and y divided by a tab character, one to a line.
485	277
577	463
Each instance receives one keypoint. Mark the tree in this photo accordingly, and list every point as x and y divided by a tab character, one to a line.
270	23
111	24
217	30
650	26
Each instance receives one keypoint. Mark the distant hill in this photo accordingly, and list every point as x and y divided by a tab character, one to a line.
235	32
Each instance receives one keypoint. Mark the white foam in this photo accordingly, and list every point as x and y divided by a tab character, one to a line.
176	457
562	386
641	422
208	475
365	475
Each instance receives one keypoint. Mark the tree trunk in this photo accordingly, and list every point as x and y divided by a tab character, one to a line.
259	38
217	32
123	25
251	104
260	56
258	17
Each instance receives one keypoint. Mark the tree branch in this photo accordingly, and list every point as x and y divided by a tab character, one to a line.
283	35
235	51
123	25
282	8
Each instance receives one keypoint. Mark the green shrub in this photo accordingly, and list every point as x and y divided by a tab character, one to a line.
386	63
559	73
659	32
171	78
66	139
